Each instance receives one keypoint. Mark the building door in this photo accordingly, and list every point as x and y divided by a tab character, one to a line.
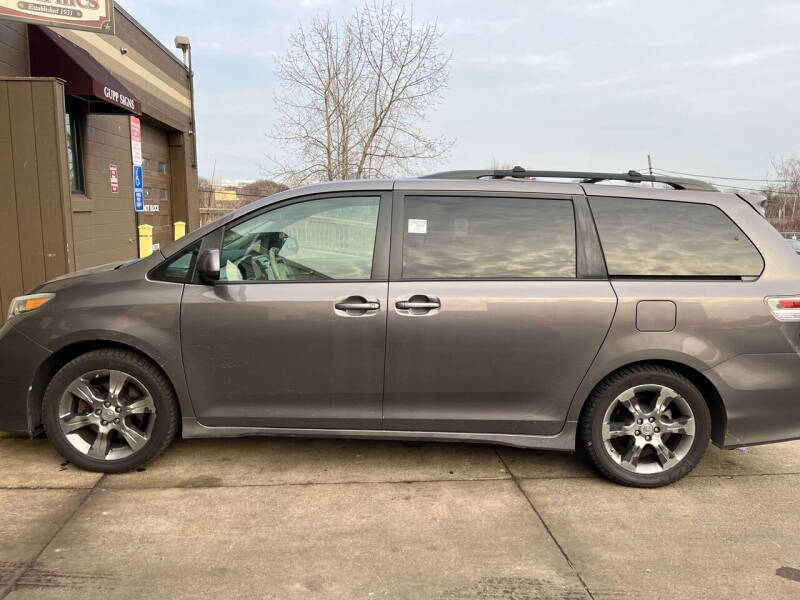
157	184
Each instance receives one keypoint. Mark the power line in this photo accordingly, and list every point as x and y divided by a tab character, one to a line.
741	188
722	177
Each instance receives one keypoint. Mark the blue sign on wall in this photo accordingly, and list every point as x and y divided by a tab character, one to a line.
138	189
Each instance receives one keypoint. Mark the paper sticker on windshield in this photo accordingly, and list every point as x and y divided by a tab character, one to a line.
418	226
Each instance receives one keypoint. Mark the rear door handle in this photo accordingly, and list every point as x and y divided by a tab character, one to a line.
418	304
406	304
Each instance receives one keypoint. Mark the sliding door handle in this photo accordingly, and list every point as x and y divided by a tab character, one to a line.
407	304
418	304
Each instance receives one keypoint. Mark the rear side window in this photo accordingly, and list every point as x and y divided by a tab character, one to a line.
488	238
649	238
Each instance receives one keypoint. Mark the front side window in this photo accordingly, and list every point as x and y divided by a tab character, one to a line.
660	238
74	149
317	240
179	268
488	238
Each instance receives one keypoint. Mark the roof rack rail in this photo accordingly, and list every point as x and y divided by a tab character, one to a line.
678	183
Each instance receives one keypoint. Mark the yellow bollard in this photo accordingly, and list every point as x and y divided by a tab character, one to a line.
180	229
145	240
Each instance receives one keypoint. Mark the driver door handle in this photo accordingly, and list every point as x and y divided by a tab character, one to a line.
358	305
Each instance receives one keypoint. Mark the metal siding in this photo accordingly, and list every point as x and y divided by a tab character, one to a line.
26	174
59	110
46	127
10	264
14	49
33	245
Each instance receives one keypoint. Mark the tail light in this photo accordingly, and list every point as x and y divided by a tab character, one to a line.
784	309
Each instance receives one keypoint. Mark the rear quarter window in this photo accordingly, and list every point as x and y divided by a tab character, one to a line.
652	238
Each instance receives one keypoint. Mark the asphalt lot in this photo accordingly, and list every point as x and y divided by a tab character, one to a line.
291	518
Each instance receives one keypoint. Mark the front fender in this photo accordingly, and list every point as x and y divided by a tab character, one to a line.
134	312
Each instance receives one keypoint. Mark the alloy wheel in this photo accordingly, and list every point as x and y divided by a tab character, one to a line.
648	429
107	414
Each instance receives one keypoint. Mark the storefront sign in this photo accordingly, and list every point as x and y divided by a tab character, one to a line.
91	15
136	141
138	189
115	96
113	177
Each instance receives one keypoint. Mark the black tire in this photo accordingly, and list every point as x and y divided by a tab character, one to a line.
166	410
590	429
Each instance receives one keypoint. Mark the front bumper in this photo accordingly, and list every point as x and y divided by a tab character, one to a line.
20	358
761	394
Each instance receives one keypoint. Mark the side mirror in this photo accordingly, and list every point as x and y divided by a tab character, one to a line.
208	265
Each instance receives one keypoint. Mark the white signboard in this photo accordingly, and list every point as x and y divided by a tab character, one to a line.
92	15
136	141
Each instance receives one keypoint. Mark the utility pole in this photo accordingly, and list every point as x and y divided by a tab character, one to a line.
650	167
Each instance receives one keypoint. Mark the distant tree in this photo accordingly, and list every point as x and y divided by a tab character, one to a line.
782	203
218	199
259	189
206	192
355	94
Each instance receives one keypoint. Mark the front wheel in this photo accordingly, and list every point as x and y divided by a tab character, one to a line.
645	426
109	410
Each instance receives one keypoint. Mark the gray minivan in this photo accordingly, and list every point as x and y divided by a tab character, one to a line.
634	323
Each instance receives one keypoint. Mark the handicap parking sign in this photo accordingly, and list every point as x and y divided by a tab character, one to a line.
138	189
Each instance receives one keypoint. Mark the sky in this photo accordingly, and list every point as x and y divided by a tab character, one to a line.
709	87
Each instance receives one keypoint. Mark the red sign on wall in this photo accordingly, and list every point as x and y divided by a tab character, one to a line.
136	129
136	141
113	177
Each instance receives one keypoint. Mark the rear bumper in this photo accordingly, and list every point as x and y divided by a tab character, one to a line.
20	357
761	394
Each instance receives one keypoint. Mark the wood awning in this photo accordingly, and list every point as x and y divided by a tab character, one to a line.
54	56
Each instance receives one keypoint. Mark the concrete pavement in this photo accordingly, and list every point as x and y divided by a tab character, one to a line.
291	518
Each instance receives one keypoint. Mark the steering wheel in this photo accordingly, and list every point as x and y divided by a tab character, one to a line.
278	269
252	269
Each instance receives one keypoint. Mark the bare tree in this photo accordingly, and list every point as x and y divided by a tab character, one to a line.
206	192
782	204
249	192
355	94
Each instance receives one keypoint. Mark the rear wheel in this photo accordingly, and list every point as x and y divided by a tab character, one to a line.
110	410
645	426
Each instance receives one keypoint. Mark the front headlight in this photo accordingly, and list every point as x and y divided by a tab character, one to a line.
23	304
